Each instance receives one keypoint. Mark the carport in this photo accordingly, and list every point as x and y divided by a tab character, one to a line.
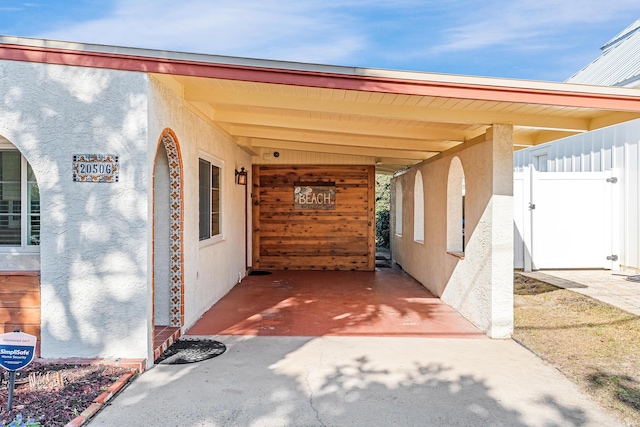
294	128
437	133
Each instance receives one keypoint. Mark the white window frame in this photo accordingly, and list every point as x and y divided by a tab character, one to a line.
24	246
219	163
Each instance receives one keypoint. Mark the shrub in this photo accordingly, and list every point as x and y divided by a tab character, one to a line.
383	205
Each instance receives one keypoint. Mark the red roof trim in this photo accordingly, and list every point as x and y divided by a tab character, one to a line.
317	79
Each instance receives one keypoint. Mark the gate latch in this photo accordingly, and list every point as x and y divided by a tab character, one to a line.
532	206
612	257
612	180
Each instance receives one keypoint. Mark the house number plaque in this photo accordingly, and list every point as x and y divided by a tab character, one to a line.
95	168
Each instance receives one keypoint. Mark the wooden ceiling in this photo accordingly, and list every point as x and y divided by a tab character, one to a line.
397	129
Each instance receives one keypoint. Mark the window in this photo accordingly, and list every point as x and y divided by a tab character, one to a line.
210	178
19	202
418	209
398	208
540	162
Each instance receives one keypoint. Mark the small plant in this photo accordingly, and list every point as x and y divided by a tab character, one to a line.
19	422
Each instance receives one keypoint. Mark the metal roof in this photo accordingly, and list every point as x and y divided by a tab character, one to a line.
619	63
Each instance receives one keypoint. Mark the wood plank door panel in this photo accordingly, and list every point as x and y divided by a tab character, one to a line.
316	239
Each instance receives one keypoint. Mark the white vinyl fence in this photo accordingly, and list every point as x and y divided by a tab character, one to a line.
565	220
614	148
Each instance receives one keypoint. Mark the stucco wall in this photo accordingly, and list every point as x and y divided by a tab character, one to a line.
480	285
93	253
210	270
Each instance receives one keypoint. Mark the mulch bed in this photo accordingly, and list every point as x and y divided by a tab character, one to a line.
41	395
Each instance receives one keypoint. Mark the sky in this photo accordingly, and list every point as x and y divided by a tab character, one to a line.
524	39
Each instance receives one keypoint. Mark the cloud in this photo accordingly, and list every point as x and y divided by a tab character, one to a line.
518	38
529	24
287	29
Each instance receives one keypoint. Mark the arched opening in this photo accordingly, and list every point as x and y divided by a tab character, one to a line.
398	204
455	207
161	239
19	243
418	208
168	288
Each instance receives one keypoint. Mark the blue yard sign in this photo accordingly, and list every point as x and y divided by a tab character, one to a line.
16	350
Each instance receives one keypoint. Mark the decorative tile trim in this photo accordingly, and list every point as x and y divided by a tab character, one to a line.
176	302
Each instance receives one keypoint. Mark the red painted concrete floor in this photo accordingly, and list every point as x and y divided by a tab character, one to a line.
339	303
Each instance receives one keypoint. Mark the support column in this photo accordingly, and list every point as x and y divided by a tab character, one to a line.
501	137
480	283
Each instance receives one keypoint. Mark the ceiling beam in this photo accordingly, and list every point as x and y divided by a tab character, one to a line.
335	124
337	139
390	161
388	169
548	136
612	119
522	141
357	151
221	99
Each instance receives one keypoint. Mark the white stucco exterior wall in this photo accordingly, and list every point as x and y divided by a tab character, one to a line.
210	270
93	253
479	286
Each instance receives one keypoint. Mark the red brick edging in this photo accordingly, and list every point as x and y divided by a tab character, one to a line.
103	398
135	366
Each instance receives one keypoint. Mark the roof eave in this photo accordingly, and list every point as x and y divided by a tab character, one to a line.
321	76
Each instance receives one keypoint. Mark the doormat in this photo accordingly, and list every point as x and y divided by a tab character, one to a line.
190	351
635	278
259	273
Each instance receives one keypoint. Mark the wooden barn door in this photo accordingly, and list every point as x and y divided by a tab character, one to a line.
334	234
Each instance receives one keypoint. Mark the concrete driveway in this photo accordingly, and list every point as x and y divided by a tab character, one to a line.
356	381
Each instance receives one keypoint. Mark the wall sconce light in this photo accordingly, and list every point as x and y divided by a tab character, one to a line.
241	176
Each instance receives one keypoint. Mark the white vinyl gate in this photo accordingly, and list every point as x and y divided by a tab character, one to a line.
563	220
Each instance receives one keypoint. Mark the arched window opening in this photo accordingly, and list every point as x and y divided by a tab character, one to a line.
398	203
456	208
418	209
19	201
